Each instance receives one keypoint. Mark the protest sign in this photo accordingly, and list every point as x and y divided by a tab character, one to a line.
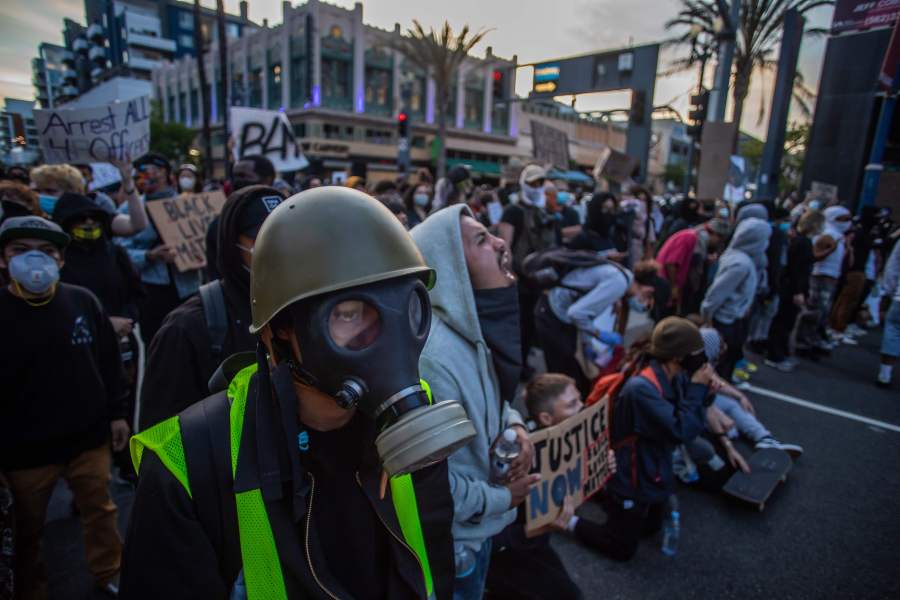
614	166
119	131
572	458
825	192
269	133
551	145
104	175
715	159
182	222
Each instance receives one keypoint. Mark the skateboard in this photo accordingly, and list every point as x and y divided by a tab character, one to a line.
768	468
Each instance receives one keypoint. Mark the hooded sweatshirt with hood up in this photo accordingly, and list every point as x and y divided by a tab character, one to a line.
458	365
732	291
832	265
181	360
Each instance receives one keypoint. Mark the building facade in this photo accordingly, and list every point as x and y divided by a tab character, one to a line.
342	84
668	159
18	134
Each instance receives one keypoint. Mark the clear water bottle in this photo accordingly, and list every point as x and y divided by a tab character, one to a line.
671	527
465	561
504	452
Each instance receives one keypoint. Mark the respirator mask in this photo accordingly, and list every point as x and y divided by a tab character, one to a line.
361	346
693	362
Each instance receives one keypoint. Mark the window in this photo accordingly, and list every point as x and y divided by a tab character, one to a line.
182	106
255	82
300	130
232	30
195	105
336	83
186	21
379	136
378	91
337	132
186	41
275	77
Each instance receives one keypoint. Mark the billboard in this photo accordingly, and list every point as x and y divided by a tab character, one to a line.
857	15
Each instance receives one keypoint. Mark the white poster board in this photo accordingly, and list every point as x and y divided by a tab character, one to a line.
119	131
104	174
736	184
269	133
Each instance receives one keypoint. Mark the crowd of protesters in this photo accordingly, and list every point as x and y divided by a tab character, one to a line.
676	296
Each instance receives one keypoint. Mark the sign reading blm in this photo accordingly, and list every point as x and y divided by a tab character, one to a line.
182	222
119	131
269	133
573	460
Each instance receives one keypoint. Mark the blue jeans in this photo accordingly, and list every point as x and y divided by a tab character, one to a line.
890	343
746	423
471	587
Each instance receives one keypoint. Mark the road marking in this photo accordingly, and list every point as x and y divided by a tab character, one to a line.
824	409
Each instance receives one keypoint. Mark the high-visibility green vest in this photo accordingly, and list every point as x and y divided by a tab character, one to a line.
259	556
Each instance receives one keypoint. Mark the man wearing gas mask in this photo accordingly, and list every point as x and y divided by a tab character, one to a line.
473	354
661	405
321	471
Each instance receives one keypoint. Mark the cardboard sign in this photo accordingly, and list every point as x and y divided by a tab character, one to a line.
103	175
551	145
715	159
825	192
182	222
117	131
572	458
615	166
269	133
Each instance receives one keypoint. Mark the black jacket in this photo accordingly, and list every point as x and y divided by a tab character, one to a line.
646	426
172	552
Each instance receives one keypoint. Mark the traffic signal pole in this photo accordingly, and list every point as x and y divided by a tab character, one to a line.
727	40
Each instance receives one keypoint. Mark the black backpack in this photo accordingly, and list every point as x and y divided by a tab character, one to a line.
545	269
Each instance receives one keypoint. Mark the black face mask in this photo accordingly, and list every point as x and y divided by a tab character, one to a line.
498	315
692	362
361	346
13	209
239	183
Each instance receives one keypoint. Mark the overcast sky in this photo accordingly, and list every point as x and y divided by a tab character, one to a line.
534	30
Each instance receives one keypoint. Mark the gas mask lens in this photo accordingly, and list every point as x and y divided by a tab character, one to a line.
353	325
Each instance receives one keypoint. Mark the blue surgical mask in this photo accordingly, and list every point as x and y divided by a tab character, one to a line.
35	271
723	213
635	305
815	205
421	200
48	203
785	227
564	198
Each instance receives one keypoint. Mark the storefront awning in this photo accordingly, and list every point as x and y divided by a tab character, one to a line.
573	176
477	167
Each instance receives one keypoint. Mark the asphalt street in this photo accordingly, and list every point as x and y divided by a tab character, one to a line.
831	531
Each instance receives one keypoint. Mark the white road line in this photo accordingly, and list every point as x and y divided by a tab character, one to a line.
824	409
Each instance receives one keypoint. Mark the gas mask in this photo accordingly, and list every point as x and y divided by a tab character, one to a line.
35	271
692	362
361	346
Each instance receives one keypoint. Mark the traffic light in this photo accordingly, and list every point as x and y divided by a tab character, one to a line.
636	114
499	86
697	113
403	125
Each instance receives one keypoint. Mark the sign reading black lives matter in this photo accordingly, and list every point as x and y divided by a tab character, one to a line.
113	132
551	145
573	460
182	222
266	132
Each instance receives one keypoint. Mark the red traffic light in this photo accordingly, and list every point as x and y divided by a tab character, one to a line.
498	75
401	117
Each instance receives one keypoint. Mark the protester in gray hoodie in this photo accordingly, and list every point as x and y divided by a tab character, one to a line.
729	298
473	355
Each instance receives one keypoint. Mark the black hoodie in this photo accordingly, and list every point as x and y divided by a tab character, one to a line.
100	265
181	360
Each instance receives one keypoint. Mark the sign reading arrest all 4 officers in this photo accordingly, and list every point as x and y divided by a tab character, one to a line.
573	460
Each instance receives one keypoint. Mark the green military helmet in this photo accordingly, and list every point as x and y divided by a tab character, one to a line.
323	240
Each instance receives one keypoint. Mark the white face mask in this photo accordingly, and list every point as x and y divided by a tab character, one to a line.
534	195
421	200
187	183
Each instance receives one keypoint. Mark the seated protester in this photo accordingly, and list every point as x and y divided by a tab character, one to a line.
525	566
733	403
572	307
63	392
659	407
731	294
51	181
192	342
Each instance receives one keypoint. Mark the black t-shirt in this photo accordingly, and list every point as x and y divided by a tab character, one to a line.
353	540
61	375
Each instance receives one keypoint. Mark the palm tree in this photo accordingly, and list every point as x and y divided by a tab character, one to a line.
439	53
204	91
758	35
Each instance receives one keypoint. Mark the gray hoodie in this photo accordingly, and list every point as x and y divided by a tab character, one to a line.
732	291
457	365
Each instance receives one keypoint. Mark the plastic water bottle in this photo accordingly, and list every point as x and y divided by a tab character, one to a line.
465	561
671	527
683	467
504	452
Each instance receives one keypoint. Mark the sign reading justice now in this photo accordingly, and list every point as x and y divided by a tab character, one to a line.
573	460
182	222
114	132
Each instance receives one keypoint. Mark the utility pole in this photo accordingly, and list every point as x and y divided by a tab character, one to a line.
770	166
703	57
727	39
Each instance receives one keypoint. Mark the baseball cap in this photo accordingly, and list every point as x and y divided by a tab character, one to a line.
533	173
17	228
261	201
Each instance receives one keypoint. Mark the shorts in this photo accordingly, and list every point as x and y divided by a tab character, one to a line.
890	343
